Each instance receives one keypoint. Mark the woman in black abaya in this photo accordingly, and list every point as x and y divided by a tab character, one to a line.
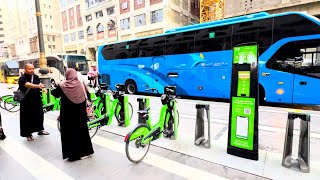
75	139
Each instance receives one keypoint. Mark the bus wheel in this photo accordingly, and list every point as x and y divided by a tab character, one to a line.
262	95
131	87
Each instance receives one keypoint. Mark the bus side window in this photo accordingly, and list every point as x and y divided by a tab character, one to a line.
213	39
132	49
127	50
152	46
180	43
109	52
293	25
298	57
259	32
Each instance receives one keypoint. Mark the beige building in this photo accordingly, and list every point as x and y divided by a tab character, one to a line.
3	46
236	7
22	28
117	20
71	15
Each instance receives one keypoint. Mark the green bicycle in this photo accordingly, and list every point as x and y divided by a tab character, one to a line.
138	140
103	109
8	103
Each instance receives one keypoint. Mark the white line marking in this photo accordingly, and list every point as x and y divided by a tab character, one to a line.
36	165
159	162
154	160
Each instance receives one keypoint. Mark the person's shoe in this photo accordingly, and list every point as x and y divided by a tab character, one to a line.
43	133
30	138
85	157
73	159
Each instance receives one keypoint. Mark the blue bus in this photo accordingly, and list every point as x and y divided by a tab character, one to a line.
197	59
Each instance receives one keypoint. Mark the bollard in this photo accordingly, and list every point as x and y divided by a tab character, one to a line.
144	103
199	129
304	142
2	135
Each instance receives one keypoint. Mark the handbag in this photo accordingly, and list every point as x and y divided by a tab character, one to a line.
20	95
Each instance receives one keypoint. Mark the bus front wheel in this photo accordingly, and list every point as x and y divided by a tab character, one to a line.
262	95
131	87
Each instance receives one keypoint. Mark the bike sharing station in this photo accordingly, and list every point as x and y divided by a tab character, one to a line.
105	108
241	144
243	114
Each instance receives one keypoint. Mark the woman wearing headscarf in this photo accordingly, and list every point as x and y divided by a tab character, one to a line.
75	139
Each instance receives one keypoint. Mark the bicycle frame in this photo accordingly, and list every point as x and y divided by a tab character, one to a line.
110	108
50	101
148	134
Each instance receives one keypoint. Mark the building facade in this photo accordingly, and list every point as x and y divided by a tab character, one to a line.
108	21
3	46
237	8
22	31
71	14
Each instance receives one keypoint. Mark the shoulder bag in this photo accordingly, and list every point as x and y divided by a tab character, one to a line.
20	95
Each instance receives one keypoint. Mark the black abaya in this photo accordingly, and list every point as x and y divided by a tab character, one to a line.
75	138
31	112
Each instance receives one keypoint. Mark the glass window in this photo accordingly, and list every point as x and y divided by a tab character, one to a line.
156	16
100	28
110	10
99	14
73	36
127	50
88	18
66	38
125	24
151	47
81	34
253	31
89	30
140	20
109	52
180	43
111	25
213	39
301	57
293	25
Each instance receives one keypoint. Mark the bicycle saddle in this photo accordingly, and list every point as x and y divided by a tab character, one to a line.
145	111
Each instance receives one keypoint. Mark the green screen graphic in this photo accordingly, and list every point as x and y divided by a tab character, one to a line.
242	122
243	83
245	54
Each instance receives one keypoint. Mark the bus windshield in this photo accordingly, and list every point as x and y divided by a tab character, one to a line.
13	68
73	61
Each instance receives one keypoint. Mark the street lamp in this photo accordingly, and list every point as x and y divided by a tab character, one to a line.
44	78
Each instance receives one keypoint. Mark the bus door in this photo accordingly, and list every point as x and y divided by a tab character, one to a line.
307	72
158	69
306	90
278	85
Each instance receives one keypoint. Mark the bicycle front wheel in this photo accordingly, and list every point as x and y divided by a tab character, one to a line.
11	105
92	131
119	115
2	100
135	150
